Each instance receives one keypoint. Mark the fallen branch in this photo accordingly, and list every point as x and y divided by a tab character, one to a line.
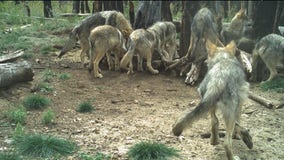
267	103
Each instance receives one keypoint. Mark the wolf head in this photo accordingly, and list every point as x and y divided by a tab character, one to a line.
70	44
216	53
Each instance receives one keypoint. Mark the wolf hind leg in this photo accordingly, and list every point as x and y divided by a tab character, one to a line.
215	127
244	135
85	50
230	124
98	58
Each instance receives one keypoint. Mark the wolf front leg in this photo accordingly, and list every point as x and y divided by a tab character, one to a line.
98	58
149	63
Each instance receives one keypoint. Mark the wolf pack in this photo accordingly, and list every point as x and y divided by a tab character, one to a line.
224	86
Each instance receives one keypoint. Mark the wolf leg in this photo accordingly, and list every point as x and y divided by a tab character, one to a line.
139	63
149	63
244	134
116	62
85	49
109	61
230	124
215	127
98	58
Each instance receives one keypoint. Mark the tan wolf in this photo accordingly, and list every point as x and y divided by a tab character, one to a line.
81	31
160	37
224	87
103	40
270	49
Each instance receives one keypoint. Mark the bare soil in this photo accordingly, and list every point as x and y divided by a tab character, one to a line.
134	108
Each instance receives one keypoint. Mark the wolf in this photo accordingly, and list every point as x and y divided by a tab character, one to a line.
204	26
104	39
270	49
160	37
239	28
224	87
81	31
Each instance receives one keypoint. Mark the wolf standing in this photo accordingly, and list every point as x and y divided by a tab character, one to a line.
223	87
81	32
161	36
271	50
104	39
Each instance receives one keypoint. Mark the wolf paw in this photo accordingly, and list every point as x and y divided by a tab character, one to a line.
155	71
236	158
99	76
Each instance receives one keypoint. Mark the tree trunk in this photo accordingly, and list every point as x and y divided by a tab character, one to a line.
166	11
82	7
47	9
87	7
154	13
97	6
131	13
189	10
76	6
12	73
108	5
119	6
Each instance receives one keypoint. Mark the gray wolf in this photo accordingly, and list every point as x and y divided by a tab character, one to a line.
270	49
224	87
204	26
239	28
103	40
160	37
81	31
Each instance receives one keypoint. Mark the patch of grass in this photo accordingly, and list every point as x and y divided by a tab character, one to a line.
85	107
47	75
43	146
151	151
9	156
36	102
19	131
17	115
43	87
47	49
48	116
27	56
64	76
277	84
98	156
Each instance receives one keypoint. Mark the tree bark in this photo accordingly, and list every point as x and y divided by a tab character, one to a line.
76	6
166	11
131	13
12	73
87	7
47	9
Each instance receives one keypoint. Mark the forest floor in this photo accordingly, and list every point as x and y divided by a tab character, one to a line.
134	108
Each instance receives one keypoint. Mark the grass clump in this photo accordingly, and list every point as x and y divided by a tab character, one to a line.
46	50
36	102
277	84
9	156
19	131
43	87
17	115
64	76
48	116
85	107
47	75
43	146
151	151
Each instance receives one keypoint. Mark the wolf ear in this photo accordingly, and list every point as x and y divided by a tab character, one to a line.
231	48
211	48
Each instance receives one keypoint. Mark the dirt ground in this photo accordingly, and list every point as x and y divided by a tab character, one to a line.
134	108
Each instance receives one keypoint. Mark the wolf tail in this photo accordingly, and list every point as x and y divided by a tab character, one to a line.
128	55
210	98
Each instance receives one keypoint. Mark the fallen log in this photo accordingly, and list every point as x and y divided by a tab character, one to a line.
271	104
11	56
11	73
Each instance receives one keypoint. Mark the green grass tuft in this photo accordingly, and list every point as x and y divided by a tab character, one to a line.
277	84
47	75
64	76
48	116
9	156
17	115
36	102
43	146
151	151
85	107
43	87
19	131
